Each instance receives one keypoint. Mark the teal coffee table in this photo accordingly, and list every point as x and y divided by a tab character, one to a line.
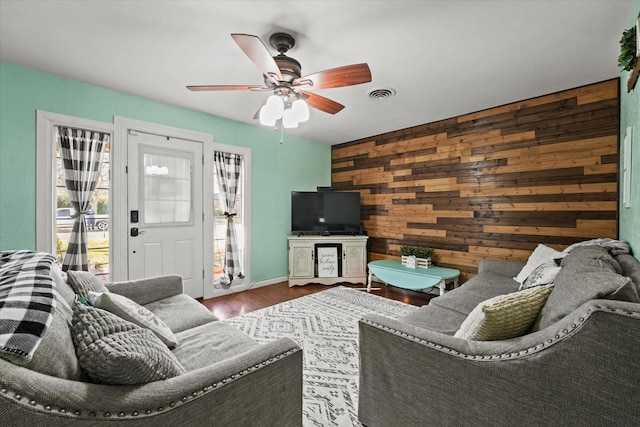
396	274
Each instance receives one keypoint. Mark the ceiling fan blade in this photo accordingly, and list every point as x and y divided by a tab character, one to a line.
257	114
253	47
321	103
223	87
337	77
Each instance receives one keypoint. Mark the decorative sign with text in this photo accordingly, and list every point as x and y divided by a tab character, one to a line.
327	262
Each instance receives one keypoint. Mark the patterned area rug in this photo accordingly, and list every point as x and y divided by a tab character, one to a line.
325	325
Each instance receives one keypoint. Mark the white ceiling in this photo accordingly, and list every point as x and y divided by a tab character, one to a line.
443	58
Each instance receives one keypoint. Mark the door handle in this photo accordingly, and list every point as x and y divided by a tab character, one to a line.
135	232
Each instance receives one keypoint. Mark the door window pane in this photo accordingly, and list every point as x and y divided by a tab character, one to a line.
166	189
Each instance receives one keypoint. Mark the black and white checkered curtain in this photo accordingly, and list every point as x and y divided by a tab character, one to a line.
228	167
81	152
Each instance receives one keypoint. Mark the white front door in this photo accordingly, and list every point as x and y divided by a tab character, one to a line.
165	210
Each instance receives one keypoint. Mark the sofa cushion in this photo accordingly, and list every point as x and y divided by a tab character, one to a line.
62	287
544	274
56	355
114	351
505	316
588	272
181	312
149	289
590	259
500	266
210	343
630	268
435	318
540	255
82	282
571	291
479	288
129	310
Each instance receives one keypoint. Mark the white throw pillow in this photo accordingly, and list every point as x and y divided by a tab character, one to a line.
505	316
539	256
129	310
544	274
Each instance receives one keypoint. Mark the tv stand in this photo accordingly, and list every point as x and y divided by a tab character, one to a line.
303	265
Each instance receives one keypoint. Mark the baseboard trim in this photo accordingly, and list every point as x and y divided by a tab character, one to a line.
254	285
268	282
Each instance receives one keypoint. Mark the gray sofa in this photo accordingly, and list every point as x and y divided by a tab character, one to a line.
579	365
228	379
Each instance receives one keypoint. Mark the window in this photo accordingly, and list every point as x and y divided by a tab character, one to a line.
241	219
96	220
53	211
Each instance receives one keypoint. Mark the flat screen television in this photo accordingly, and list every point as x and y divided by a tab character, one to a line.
325	212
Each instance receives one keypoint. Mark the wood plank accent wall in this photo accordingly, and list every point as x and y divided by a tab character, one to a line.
491	184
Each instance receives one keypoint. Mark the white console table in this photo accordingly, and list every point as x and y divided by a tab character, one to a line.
351	259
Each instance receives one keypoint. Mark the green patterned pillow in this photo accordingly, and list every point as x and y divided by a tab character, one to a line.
505	316
113	351
82	282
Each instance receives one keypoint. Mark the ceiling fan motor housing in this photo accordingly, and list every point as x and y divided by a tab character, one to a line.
289	67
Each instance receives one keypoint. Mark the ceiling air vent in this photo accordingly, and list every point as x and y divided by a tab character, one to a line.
383	93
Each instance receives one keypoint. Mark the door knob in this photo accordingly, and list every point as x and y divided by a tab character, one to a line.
135	232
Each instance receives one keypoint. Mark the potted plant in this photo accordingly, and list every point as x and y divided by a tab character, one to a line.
416	256
629	51
627	58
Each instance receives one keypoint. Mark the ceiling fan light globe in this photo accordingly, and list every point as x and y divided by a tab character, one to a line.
300	110
267	119
275	106
289	119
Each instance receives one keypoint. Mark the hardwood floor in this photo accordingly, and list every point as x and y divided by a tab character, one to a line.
239	303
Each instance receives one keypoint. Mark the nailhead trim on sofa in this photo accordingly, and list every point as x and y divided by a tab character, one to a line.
18	397
505	356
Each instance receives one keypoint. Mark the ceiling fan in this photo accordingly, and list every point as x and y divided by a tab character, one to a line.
282	76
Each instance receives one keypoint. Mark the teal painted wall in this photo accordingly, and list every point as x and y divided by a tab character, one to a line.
277	169
630	116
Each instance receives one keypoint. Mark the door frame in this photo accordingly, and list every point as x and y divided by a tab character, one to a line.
119	221
119	158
